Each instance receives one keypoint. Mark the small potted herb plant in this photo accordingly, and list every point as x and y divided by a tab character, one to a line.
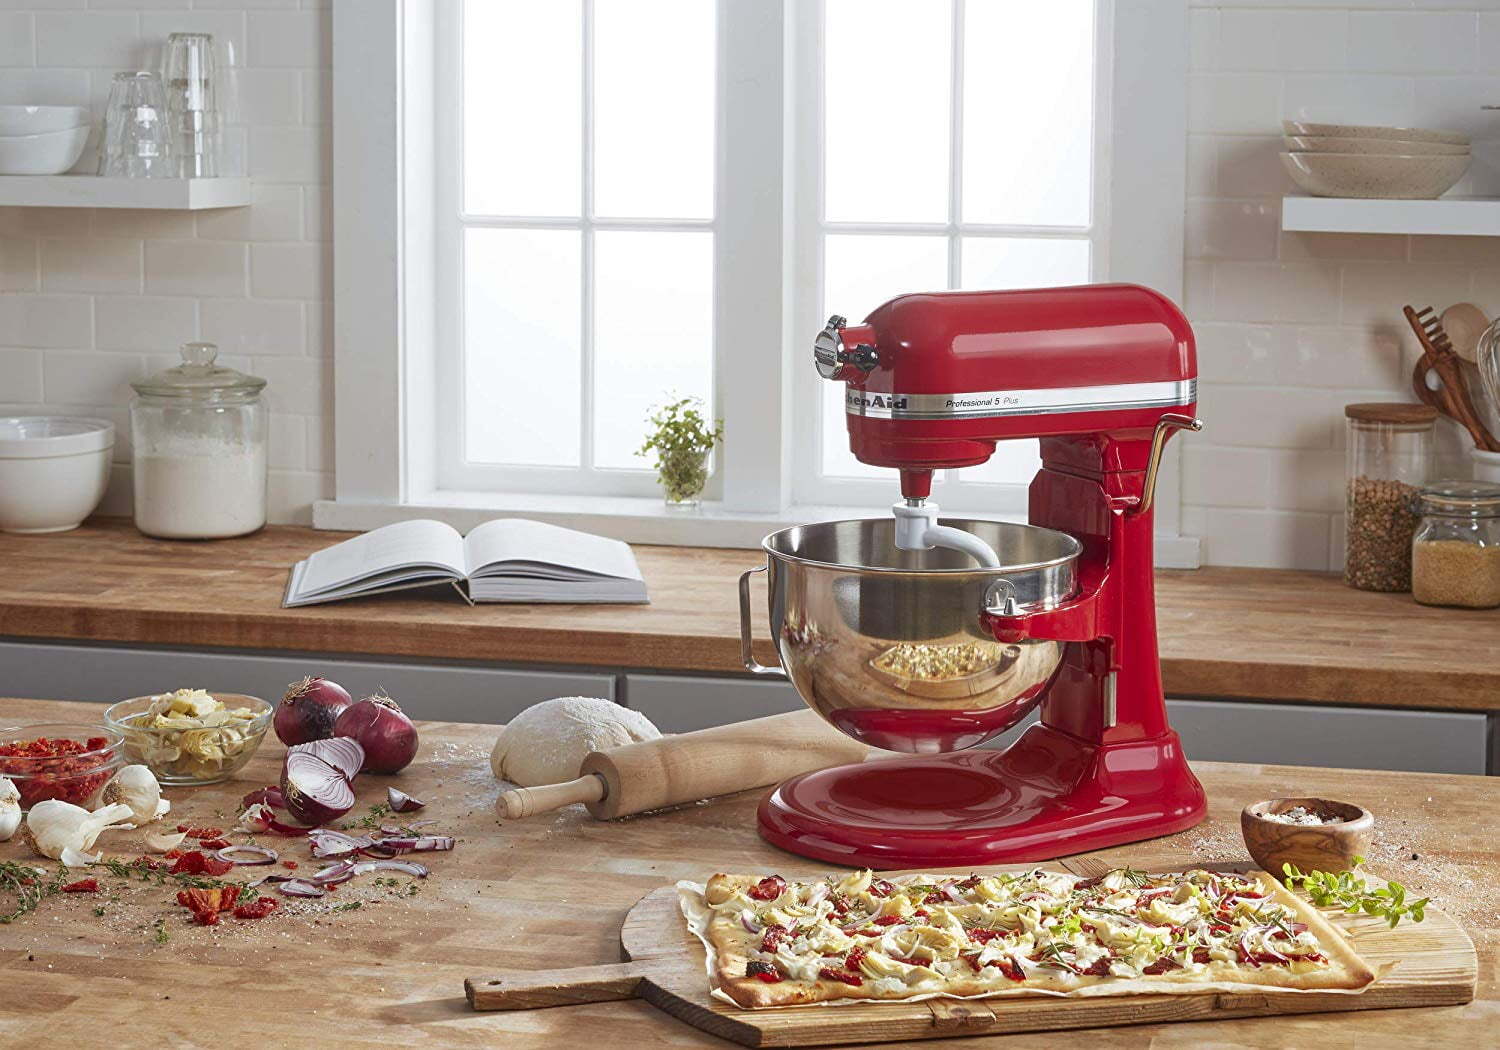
682	439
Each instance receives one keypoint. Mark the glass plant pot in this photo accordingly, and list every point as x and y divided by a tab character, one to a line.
683	476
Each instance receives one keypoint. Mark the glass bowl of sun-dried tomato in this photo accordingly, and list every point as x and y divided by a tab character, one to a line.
70	761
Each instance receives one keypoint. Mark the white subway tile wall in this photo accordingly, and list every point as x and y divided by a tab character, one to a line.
91	299
1293	326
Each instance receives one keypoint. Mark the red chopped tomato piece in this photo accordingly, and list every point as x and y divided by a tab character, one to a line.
934	898
857	956
768	888
82	886
842	976
195	862
772	939
985	936
886	920
763	971
1010	968
1161	965
881	888
922	913
289	865
1099	967
214	843
256	909
1200	955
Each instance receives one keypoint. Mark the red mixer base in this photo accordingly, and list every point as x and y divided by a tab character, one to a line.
1048	795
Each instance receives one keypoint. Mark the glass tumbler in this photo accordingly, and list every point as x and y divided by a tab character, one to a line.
190	72
135	128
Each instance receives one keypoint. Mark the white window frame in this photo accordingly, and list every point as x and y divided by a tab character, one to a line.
386	272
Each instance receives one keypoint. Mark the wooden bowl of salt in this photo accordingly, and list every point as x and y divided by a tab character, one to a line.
1313	834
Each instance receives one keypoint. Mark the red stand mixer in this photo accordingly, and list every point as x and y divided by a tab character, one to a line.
931	635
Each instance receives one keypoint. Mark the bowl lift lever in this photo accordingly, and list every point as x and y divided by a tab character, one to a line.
1103	375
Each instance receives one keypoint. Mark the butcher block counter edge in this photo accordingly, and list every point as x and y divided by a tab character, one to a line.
1225	633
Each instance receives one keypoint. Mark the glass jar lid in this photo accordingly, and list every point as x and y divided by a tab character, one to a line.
1391	413
1460	499
200	379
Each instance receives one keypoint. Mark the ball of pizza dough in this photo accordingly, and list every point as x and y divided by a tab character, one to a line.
546	743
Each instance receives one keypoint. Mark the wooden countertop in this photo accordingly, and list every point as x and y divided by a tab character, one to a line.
1244	633
553	890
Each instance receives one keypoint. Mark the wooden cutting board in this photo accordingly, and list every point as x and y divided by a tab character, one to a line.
1436	966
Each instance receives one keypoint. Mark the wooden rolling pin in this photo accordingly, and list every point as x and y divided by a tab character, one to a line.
673	770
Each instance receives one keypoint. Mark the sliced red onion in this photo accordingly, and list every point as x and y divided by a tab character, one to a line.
269	878
270	796
329	843
401	802
747	920
340	871
410	867
299	888
950	890
416	843
380	852
257	855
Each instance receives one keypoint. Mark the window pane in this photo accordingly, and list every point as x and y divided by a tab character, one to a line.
1028	112
1024	262
860	273
654	109
887	75
653	333
522	360
523	107
1015	462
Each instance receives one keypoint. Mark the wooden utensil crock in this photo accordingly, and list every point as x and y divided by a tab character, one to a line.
1310	847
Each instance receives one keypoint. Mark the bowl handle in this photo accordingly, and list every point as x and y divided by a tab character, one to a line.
746	655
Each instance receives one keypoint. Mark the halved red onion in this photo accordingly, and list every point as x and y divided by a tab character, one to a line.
270	796
388	737
401	802
247	855
329	843
410	867
315	779
339	871
416	843
299	888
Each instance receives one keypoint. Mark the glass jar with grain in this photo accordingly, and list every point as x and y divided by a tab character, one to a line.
1455	554
1388	454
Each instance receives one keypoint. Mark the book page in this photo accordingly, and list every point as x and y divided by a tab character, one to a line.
532	548
404	545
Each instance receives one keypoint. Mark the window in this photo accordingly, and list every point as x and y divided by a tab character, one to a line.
550	214
576	231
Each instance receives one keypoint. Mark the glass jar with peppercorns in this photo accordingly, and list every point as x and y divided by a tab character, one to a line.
1388	456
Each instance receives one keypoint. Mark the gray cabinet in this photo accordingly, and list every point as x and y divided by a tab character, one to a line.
683	703
449	693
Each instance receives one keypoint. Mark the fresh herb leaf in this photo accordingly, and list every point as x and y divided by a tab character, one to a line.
1349	891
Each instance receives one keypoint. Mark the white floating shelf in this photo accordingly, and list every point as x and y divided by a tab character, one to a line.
97	191
1447	216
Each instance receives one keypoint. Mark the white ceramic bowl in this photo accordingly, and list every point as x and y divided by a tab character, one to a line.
50	153
1375	177
1374	131
53	471
1401	147
37	120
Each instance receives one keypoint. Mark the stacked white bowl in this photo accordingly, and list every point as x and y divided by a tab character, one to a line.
41	140
1373	161
53	471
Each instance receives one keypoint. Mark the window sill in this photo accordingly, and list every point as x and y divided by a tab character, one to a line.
640	520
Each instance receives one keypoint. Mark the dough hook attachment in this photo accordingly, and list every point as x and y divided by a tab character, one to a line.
917	529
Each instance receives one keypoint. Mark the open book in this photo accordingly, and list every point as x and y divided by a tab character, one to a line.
506	560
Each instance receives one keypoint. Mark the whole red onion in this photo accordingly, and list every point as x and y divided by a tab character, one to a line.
383	730
309	709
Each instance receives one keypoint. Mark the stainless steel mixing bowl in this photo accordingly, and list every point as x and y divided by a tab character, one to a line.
890	646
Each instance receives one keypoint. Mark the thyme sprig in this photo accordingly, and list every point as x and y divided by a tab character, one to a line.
1349	891
29	885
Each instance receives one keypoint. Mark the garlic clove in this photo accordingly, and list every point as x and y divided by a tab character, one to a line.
137	787
161	841
10	809
76	858
163	808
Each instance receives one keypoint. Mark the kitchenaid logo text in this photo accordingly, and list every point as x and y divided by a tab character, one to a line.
858	400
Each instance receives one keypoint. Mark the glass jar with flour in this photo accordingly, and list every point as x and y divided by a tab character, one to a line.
199	435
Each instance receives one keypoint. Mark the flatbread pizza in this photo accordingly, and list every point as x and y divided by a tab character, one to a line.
858	937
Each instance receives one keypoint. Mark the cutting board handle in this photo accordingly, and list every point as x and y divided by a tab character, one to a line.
532	989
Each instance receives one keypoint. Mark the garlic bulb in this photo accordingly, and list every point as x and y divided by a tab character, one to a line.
10	809
53	826
137	788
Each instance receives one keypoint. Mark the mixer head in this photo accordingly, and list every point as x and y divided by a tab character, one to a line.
933	380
